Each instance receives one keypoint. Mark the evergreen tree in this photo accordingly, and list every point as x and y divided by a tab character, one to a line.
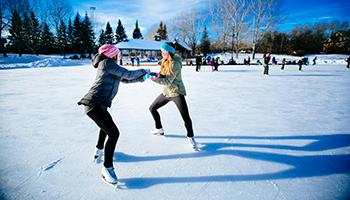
102	40
205	43
162	31
120	33
137	32
16	31
77	41
46	39
69	36
88	36
62	37
31	33
109	36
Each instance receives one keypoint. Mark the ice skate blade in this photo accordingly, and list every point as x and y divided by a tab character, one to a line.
115	185
161	134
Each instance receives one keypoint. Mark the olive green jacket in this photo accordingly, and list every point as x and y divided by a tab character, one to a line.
173	85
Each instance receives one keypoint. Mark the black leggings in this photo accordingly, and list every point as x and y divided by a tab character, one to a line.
266	69
104	120
181	104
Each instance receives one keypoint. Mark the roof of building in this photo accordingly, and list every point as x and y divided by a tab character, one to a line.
147	44
184	45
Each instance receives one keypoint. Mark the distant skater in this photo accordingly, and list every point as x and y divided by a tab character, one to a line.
314	61
212	64
138	61
302	61
348	61
247	62
266	64
198	62
216	63
283	63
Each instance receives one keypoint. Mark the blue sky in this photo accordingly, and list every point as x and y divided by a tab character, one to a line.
312	11
150	12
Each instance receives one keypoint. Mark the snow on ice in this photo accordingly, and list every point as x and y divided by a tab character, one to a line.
283	136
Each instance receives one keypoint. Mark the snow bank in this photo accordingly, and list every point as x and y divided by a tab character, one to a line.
13	61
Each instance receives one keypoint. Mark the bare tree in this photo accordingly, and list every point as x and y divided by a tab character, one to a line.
265	15
336	25
152	32
171	27
237	10
60	11
189	26
39	7
220	23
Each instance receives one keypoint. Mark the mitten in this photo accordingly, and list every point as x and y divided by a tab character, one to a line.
154	75
151	75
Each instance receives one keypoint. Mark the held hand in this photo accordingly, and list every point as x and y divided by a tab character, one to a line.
151	75
154	75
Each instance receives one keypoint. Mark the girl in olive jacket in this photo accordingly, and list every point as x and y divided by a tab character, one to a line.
174	90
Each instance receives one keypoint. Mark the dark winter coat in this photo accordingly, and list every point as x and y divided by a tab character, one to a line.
108	77
172	84
198	60
267	60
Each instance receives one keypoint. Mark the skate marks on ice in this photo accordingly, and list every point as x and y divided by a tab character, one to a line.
27	183
50	165
298	166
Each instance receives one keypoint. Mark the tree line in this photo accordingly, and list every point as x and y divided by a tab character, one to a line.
32	34
235	25
224	25
301	40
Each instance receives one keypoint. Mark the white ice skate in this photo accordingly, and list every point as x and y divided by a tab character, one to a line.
97	153
157	131
192	142
108	175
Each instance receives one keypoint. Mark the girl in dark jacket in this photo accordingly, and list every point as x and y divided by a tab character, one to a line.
100	97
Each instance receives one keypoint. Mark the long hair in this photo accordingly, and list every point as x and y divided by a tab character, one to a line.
168	69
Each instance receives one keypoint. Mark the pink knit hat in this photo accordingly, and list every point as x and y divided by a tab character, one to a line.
108	50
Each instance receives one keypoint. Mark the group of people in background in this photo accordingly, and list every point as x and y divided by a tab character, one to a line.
215	62
133	61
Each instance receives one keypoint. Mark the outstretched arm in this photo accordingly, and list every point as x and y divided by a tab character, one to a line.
114	69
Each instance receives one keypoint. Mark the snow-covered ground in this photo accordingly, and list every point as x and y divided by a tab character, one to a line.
283	136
